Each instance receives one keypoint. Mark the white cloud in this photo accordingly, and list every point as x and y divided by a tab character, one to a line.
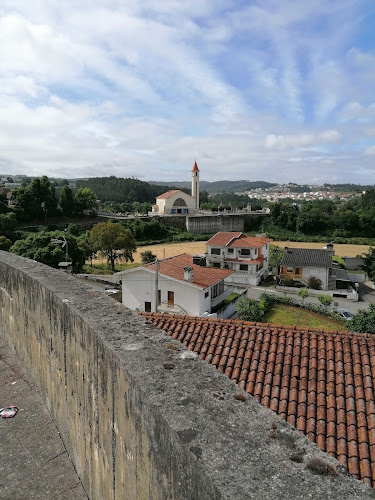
370	151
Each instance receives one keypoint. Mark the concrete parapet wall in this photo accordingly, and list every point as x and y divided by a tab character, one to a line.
205	224
141	417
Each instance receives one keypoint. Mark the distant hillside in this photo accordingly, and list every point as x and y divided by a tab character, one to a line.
220	186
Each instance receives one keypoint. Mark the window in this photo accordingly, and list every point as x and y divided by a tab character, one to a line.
217	289
297	270
256	252
215	251
245	251
206	295
289	269
244	267
148	307
216	265
170	299
159	297
230	250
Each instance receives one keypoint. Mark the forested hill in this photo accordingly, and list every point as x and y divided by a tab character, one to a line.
220	186
123	190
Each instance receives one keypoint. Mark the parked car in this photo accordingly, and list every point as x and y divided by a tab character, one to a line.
344	314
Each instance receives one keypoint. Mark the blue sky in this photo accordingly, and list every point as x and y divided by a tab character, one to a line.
277	90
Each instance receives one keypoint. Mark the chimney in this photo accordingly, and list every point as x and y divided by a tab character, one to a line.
188	273
329	247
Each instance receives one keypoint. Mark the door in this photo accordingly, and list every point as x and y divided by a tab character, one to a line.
170	299
148	307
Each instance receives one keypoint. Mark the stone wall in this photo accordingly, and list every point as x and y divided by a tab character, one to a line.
141	417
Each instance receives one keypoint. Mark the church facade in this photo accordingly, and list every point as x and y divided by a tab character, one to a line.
177	202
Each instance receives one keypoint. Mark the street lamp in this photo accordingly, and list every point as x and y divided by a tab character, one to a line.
63	243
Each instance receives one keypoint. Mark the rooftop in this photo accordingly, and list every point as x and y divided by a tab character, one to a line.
307	257
168	194
322	383
203	277
238	240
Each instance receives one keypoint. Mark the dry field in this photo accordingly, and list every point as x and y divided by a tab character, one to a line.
198	247
341	250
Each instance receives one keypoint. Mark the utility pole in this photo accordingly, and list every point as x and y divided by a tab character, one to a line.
156	285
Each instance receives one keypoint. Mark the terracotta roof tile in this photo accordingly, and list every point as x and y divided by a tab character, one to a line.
203	277
322	383
237	240
168	194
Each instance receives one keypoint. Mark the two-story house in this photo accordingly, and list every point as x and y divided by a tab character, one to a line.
175	285
246	255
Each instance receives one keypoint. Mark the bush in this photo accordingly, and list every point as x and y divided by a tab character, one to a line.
314	283
287	281
325	300
250	309
363	321
147	257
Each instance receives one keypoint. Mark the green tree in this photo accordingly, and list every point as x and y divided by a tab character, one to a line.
8	224
303	294
369	263
325	300
5	244
147	257
113	241
66	201
363	321
39	247
3	202
250	309
84	199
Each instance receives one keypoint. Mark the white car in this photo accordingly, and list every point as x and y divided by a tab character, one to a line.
344	314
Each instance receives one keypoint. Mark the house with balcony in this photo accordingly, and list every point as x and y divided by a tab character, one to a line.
176	285
246	256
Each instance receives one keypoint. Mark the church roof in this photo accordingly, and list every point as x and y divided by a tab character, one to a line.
168	193
195	168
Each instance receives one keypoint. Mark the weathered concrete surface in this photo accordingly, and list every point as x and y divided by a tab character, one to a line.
141	417
34	461
205	224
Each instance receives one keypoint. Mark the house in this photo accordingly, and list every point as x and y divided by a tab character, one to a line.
179	287
322	383
246	255
177	201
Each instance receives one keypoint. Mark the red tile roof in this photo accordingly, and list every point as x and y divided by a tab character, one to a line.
322	383
202	276
238	240
168	193
195	168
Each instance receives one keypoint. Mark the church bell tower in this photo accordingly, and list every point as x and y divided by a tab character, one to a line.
195	185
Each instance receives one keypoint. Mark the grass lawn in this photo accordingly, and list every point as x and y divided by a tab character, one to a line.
280	314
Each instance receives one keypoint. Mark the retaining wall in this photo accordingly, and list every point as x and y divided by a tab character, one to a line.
141	417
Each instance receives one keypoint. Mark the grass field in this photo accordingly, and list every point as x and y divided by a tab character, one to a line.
280	314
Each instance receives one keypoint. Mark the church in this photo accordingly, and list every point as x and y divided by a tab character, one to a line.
178	202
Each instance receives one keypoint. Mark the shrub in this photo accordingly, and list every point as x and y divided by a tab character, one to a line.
314	283
325	300
287	281
250	309
147	257
303	294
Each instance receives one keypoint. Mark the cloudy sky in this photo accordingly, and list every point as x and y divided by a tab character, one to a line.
277	90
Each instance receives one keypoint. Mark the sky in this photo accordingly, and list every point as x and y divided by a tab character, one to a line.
274	90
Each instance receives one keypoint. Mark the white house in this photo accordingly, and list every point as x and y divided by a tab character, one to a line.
246	255
179	287
178	202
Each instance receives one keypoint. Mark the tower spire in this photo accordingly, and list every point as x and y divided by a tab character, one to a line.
195	185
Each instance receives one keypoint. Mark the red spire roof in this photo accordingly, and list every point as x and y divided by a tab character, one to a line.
195	168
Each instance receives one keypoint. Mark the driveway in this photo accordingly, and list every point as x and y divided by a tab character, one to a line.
366	292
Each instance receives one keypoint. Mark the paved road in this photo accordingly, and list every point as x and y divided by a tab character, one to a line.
34	461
